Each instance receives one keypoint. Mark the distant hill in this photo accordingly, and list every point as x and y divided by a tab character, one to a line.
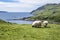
47	12
3	11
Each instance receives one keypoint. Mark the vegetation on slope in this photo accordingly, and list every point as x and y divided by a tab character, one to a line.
47	12
26	32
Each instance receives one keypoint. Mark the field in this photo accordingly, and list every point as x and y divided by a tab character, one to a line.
10	31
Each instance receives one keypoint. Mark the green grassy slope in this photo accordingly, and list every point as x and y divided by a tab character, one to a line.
26	32
47	12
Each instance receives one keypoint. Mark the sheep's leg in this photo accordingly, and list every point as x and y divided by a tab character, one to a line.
32	25
45	25
39	25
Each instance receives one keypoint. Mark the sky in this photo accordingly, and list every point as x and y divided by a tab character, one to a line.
23	5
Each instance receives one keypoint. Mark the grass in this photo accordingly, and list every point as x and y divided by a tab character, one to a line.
26	32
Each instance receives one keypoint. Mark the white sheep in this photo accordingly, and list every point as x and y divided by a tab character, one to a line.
36	24
45	23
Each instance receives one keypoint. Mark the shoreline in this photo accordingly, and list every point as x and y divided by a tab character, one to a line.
50	22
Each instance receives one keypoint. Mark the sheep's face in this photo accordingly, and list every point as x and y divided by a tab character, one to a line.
45	23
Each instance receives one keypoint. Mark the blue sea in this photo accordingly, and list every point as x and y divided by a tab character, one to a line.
15	15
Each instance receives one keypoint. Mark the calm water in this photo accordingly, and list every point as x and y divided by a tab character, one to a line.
6	16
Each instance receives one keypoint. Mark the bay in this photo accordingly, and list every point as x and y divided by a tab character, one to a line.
15	15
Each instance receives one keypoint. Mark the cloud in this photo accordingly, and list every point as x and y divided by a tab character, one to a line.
24	5
14	6
29	1
39	1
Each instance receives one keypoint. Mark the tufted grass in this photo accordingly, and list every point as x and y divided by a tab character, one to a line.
26	32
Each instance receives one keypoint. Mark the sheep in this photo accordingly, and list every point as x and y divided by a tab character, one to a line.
45	23
36	24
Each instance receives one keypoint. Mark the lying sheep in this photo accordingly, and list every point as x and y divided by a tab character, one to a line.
36	24
45	23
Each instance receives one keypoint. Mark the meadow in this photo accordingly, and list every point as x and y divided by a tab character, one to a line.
10	31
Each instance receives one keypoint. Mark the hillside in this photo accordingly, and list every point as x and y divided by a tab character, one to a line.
49	12
4	22
26	32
